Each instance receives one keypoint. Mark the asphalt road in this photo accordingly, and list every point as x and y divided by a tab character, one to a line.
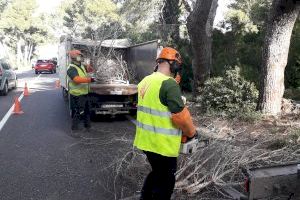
38	158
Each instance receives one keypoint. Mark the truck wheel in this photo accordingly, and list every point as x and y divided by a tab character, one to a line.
36	72
4	91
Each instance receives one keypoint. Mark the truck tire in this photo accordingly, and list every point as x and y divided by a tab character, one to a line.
4	91
36	72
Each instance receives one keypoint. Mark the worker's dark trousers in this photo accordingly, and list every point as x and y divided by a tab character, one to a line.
159	184
80	106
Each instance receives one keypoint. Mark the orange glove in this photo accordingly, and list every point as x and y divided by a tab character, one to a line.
183	121
184	139
78	79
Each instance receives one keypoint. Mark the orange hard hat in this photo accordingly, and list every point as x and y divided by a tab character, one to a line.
75	53
169	53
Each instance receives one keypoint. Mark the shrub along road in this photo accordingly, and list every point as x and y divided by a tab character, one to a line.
39	160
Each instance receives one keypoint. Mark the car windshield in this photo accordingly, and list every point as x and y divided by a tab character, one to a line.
43	61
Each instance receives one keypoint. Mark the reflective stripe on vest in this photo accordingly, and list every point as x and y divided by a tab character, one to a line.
78	89
155	131
154	112
159	130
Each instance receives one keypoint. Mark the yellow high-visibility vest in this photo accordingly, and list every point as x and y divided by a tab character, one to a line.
155	131
78	89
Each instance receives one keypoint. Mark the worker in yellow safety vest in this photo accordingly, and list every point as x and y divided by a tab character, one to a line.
78	87
162	121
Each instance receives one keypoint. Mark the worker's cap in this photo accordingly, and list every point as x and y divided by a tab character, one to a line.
75	53
169	53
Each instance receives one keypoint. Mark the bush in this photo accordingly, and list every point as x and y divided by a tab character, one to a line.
230	94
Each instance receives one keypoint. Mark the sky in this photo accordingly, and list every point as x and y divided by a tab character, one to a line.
47	6
221	10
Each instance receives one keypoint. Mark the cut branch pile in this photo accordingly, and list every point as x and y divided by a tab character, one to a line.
221	163
200	175
115	69
211	168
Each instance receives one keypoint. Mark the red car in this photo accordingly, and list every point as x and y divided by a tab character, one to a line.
44	66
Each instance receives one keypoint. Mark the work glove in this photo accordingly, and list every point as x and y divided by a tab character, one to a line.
93	80
185	139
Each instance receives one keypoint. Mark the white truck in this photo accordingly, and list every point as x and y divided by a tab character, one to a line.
114	97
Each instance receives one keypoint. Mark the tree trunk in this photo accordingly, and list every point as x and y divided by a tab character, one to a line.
19	52
281	20
30	53
26	51
200	26
3	49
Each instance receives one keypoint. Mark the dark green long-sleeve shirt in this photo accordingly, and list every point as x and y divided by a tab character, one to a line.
170	96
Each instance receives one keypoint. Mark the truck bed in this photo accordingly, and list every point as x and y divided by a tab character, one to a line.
113	89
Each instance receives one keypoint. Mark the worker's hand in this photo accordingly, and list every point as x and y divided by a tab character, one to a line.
93	80
185	139
196	135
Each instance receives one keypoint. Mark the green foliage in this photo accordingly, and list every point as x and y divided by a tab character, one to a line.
3	4
249	116
246	16
242	43
241	22
17	17
292	93
22	29
85	16
229	94
138	18
187	71
292	72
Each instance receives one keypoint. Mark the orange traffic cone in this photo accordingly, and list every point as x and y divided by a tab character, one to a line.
26	91
17	108
57	84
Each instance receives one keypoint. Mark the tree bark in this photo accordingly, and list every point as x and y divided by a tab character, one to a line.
30	53
19	52
26	51
281	20
200	26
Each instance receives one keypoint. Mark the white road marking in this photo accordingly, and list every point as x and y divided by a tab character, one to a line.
9	113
